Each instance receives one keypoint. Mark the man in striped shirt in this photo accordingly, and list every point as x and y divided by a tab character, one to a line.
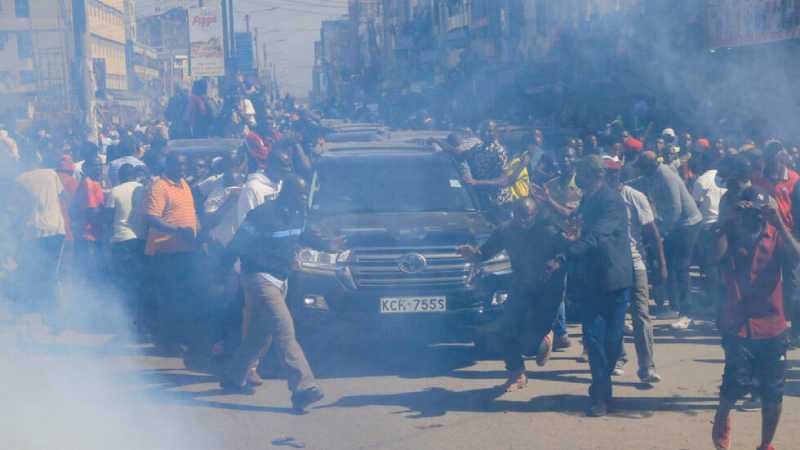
170	213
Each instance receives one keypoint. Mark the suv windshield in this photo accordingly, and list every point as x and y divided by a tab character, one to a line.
389	185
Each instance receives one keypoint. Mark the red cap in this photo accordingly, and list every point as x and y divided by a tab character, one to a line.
611	163
633	144
703	142
257	149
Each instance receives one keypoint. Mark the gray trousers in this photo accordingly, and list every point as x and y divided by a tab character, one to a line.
642	323
270	322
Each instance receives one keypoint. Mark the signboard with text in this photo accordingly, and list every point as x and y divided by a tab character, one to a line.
207	57
748	22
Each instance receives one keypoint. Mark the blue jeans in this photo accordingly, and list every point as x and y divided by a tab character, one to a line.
603	318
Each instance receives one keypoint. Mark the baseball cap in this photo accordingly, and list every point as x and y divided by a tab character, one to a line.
633	144
668	132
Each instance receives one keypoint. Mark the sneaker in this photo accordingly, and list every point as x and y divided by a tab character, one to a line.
252	378
545	350
561	343
517	380
619	369
766	447
597	409
721	432
682	324
628	329
303	399
584	358
649	377
752	404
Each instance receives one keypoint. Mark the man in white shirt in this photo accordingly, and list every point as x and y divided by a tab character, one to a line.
42	232
127	241
707	193
642	224
132	151
258	188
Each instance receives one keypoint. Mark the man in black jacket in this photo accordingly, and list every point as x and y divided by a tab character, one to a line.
266	244
537	284
602	260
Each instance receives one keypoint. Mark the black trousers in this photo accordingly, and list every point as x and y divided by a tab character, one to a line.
178	311
678	251
129	264
528	317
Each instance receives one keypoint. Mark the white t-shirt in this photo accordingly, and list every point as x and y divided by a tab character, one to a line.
257	190
640	213
114	166
707	194
45	218
223	200
128	221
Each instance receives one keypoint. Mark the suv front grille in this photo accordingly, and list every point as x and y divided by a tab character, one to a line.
381	267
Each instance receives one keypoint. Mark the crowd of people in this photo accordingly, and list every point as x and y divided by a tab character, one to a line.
127	222
614	219
601	223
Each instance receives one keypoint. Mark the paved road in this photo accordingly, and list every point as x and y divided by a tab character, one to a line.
88	392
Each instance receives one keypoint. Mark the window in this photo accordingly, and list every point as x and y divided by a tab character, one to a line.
21	8
26	77
24	45
3	39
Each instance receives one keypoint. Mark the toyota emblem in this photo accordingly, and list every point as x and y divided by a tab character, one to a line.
412	263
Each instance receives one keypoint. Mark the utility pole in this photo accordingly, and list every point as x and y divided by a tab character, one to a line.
85	72
255	50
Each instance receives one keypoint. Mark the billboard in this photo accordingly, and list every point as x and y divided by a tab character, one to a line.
735	23
207	57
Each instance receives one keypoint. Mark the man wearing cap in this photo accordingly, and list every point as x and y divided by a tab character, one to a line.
633	150
680	222
749	247
258	187
603	275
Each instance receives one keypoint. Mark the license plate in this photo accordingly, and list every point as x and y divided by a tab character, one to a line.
402	305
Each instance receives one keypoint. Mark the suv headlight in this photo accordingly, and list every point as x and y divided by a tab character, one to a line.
499	265
311	260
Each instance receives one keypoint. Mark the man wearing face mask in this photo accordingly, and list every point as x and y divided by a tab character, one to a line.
533	245
266	244
750	246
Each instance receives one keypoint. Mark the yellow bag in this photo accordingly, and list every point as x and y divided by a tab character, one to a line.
520	188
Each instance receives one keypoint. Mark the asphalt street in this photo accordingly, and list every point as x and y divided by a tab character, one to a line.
87	392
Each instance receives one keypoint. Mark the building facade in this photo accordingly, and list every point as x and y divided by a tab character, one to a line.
34	56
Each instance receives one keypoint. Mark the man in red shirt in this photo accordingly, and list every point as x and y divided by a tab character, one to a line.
751	247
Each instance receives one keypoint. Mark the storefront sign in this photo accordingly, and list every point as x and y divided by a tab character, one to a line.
205	35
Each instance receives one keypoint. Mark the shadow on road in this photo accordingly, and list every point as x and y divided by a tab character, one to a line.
437	402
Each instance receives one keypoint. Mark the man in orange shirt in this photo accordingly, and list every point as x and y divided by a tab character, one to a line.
170	213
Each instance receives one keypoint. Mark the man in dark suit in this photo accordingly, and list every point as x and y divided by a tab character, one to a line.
601	259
